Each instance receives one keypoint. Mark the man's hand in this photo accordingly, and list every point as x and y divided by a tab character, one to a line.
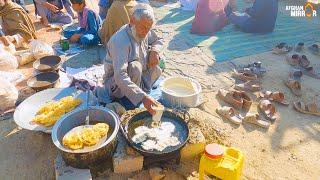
75	38
148	102
51	7
5	40
153	59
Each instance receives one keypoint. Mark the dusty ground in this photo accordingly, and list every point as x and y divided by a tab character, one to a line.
289	149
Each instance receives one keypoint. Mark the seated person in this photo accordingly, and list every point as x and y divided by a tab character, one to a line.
16	23
118	15
89	23
51	11
260	18
131	64
103	8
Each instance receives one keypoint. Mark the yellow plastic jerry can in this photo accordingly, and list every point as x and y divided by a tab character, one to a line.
221	162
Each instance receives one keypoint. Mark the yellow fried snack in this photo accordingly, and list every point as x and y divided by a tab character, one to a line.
101	128
89	137
51	112
72	141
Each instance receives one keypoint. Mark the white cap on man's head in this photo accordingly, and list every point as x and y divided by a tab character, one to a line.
143	10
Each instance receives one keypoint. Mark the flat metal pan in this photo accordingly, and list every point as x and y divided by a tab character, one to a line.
142	118
43	81
27	110
47	63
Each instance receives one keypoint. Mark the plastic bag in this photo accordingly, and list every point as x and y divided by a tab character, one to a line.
40	49
8	95
8	61
24	58
12	77
212	11
11	48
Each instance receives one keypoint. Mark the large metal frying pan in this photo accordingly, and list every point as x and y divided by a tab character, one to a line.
143	118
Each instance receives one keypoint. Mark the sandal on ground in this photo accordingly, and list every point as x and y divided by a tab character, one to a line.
268	109
237	99
294	86
309	71
304	61
295	74
255	68
310	108
281	48
293	59
299	47
248	86
247	101
230	114
274	96
314	49
244	75
255	119
231	97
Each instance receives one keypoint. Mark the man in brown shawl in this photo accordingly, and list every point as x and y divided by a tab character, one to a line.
118	15
15	21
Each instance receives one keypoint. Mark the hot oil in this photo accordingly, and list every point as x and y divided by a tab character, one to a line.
148	121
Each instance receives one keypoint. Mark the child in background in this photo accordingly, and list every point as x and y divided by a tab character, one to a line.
89	23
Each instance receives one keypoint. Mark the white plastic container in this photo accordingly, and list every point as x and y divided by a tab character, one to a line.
180	92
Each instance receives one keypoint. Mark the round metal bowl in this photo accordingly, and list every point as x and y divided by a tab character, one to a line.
43	81
172	99
86	158
47	63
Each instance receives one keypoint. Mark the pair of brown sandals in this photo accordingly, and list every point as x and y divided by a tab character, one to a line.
241	100
308	108
294	81
302	62
251	81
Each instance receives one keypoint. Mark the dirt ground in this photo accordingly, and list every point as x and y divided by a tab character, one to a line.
289	149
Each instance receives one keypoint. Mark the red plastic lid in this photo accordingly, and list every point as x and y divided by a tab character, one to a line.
214	151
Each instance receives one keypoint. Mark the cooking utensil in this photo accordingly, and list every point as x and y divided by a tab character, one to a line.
86	157
47	63
87	103
179	119
43	81
27	110
173	98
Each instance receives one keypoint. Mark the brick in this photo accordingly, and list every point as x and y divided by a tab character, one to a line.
65	172
124	162
195	146
156	173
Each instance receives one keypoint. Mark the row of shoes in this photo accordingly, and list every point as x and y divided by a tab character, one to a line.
301	65
251	75
284	48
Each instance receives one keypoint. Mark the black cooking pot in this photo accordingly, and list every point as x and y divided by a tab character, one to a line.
178	118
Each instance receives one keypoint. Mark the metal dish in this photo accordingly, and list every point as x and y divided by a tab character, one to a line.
43	81
141	118
172	99
47	63
86	158
27	110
